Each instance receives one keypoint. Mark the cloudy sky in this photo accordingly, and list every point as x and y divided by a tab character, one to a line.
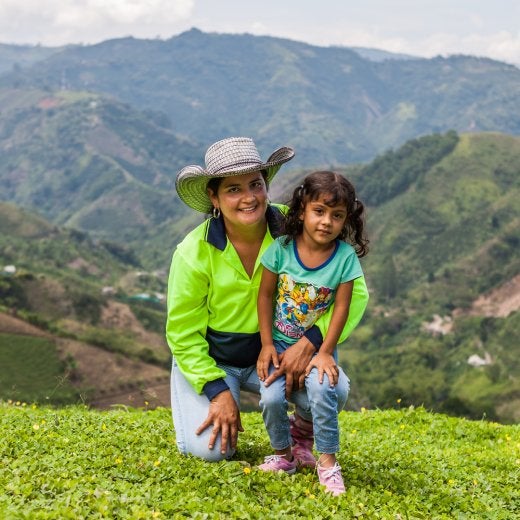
419	27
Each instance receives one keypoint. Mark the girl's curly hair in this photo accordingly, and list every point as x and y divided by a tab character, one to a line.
337	190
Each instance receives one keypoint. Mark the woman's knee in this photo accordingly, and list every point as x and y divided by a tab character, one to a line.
198	448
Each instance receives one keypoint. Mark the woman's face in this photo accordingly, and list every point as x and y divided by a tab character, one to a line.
242	199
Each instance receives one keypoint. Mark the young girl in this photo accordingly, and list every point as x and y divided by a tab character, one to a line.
305	271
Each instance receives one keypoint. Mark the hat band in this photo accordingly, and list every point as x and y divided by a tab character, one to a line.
231	167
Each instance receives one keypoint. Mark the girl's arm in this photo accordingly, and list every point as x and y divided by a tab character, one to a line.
324	360
265	322
358	304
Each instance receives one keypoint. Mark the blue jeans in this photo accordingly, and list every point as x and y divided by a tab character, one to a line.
189	409
325	404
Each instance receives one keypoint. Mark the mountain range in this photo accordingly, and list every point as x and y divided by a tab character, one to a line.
91	138
332	104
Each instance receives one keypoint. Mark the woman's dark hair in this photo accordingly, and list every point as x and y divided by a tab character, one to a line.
338	190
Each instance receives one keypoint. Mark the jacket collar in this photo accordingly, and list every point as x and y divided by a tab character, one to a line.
216	231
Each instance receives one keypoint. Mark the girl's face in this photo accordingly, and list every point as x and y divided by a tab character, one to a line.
322	224
242	199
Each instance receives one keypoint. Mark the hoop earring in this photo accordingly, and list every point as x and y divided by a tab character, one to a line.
216	212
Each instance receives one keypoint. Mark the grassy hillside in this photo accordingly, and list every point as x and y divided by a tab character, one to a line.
32	371
74	324
77	463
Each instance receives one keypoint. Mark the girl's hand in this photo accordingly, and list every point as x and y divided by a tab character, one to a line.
267	356
326	364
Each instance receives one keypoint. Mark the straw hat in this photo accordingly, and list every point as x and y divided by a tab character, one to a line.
232	156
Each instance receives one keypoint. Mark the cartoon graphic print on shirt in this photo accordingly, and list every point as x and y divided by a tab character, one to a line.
299	305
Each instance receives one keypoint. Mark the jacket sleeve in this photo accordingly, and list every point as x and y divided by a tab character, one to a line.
187	320
357	309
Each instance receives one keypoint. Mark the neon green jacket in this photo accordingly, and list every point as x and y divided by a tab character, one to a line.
212	314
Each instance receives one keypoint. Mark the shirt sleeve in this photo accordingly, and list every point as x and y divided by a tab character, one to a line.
187	320
357	308
351	267
271	257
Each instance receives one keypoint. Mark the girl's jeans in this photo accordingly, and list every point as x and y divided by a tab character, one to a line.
325	404
190	409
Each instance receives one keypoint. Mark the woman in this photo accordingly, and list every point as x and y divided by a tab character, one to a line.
212	324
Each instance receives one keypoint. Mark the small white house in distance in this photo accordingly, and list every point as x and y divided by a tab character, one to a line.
476	361
9	269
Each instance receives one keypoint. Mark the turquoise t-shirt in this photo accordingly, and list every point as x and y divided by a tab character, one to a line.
303	294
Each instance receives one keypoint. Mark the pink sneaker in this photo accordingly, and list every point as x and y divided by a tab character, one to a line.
331	478
303	439
278	463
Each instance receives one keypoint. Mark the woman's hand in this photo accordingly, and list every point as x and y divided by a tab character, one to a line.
326	364
293	363
267	356
224	415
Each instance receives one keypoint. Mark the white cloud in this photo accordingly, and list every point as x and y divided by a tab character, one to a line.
501	46
54	22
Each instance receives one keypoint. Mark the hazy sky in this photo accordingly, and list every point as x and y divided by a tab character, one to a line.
420	27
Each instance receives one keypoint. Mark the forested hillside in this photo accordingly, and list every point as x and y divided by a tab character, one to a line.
443	273
332	104
80	320
91	163
91	138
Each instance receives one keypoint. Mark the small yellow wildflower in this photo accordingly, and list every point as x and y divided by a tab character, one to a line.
156	514
475	482
398	400
157	463
363	409
146	403
103	426
36	426
451	482
402	426
508	438
247	470
119	460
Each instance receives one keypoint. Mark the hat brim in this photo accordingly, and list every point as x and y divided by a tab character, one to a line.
192	181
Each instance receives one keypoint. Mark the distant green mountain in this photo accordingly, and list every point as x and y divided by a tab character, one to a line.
91	163
445	277
332	104
443	271
16	57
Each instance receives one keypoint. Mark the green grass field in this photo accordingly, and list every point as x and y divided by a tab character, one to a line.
398	464
30	370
